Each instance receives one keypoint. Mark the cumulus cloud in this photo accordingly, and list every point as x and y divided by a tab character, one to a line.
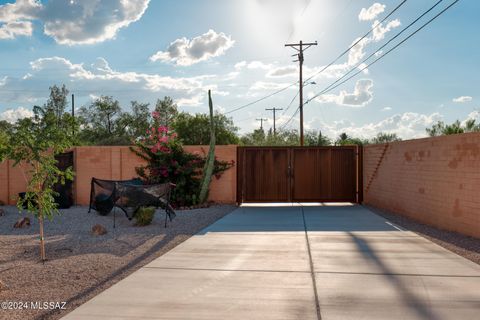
11	30
361	95
462	99
381	29
283	71
71	22
263	85
408	125
185	52
99	78
372	12
12	115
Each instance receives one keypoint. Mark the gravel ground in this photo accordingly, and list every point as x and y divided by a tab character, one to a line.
465	246
81	265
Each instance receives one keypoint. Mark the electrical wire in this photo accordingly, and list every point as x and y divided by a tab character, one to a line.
330	87
356	42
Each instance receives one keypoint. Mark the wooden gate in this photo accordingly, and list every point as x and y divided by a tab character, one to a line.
299	174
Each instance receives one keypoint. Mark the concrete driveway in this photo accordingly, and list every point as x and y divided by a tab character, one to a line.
297	262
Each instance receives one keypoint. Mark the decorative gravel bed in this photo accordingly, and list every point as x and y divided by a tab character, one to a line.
465	246
81	265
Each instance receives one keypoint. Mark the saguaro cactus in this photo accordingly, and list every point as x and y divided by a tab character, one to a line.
210	161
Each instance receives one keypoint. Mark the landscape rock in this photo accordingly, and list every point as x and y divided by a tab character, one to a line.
22	223
99	230
3	286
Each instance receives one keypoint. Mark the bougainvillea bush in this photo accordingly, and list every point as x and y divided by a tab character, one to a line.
168	162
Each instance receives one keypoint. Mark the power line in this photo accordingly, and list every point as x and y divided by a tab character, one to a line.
330	87
356	42
261	99
383	46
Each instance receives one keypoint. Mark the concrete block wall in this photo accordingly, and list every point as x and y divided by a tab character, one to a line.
433	180
116	163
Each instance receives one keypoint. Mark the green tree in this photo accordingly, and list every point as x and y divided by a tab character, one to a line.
58	101
167	111
101	122
345	140
134	124
35	143
441	128
195	129
383	137
315	138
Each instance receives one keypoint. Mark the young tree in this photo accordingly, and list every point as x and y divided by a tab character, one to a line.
35	143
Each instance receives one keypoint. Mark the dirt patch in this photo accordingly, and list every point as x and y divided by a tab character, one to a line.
465	246
81	265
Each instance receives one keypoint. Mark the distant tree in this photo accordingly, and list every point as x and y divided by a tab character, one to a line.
441	128
383	137
102	124
58	101
195	129
167	111
345	140
136	122
255	138
315	138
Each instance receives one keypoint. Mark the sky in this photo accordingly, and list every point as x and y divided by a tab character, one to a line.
144	50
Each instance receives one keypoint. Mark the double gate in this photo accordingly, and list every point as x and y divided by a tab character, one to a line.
299	174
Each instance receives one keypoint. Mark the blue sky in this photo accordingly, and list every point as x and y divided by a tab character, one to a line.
143	50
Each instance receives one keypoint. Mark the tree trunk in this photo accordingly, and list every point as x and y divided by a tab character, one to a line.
42	240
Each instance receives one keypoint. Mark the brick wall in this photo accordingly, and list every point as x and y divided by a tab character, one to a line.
116	163
434	180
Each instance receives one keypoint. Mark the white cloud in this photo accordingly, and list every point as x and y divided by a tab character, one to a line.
263	85
372	12
185	52
380	30
361	96
408	125
100	79
11	30
12	115
387	109
283	72
72	22
462	99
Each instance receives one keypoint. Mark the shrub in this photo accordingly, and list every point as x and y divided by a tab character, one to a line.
144	216
168	162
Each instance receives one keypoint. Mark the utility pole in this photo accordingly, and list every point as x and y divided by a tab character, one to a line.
300	48
261	122
274	109
73	112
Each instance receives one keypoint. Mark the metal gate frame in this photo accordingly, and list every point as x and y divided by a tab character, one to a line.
358	176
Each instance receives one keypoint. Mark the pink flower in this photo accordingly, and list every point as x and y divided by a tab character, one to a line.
155	114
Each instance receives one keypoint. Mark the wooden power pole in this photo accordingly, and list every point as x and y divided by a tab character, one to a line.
300	48
274	110
261	122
